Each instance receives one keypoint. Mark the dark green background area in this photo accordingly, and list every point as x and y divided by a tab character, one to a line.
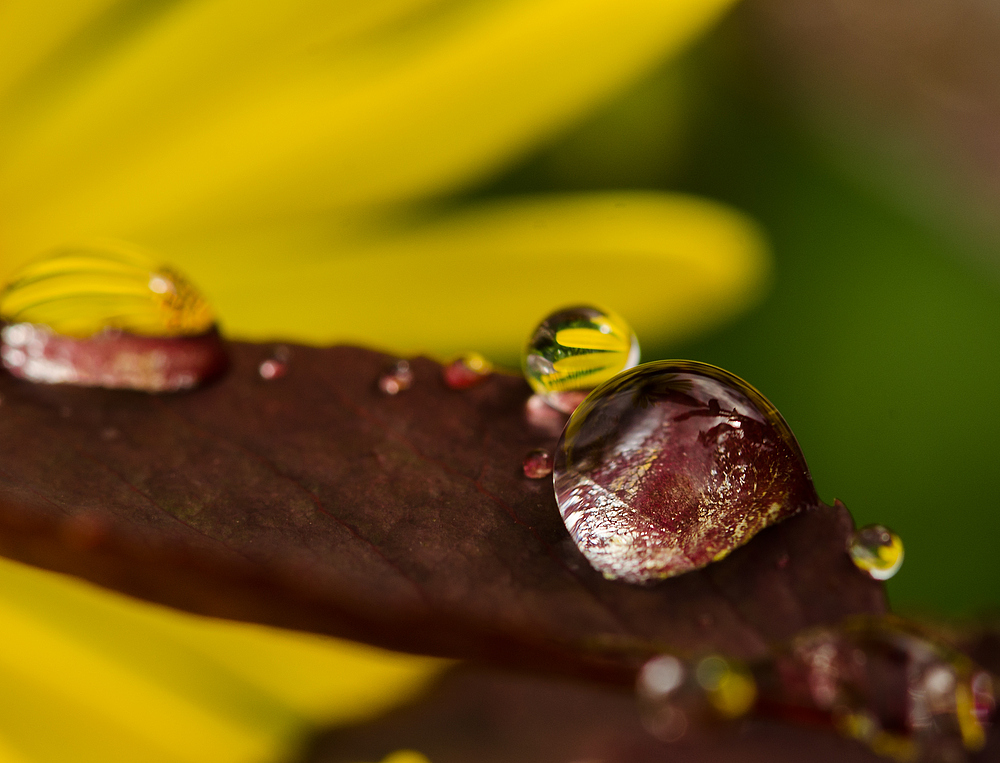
880	338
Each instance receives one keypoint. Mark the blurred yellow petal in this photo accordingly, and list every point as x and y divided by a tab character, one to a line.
481	278
158	685
30	31
411	111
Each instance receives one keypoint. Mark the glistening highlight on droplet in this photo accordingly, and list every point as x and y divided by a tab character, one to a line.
108	316
575	349
670	466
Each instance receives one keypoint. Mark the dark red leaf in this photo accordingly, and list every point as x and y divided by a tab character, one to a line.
491	717
314	501
496	718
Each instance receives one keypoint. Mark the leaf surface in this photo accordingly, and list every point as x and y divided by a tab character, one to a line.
313	501
496	718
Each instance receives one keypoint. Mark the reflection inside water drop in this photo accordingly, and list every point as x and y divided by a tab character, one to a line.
670	466
877	551
574	350
107	316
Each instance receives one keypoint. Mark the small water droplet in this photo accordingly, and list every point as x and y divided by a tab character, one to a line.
652	481
466	371
877	550
537	464
661	676
397	379
660	689
574	350
272	368
107	316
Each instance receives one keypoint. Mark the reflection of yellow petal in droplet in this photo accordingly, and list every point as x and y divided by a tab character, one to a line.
577	363
591	339
81	291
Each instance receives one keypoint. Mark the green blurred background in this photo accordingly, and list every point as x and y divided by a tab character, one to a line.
878	339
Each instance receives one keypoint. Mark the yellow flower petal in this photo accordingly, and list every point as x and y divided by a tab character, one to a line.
30	31
409	112
481	278
158	685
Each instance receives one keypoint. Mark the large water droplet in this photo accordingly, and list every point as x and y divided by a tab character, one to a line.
575	349
877	550
107	317
672	465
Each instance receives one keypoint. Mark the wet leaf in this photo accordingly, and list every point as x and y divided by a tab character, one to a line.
488	716
496	718
314	501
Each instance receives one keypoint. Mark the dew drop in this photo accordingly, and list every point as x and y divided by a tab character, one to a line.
537	464
397	379
877	550
275	366
653	481
660	690
272	369
107	316
574	350
466	371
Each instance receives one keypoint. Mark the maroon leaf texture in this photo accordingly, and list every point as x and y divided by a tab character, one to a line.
314	501
491	717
